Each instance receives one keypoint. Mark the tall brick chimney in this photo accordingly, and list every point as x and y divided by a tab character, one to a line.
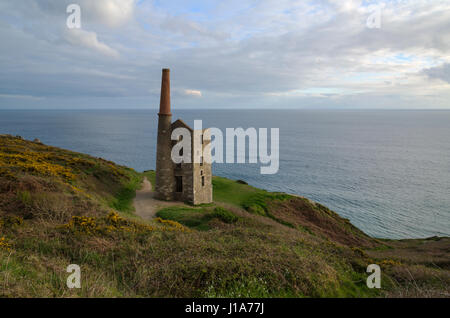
164	104
165	179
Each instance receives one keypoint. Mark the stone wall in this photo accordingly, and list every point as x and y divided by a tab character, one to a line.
203	193
165	180
194	191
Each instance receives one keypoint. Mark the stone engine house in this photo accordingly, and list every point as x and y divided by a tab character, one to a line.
189	182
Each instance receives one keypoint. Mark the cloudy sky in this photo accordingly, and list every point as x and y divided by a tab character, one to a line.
226	54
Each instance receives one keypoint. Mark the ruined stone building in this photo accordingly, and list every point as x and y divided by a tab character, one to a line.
189	182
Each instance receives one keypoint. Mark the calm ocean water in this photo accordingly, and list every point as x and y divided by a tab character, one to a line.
386	171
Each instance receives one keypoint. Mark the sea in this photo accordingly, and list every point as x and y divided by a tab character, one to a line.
387	171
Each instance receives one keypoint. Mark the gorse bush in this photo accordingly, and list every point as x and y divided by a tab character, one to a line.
4	244
53	184
11	221
35	163
172	225
113	222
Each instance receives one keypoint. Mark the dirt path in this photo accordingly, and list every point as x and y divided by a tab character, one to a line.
146	205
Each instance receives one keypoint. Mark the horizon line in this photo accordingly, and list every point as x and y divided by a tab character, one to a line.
234	109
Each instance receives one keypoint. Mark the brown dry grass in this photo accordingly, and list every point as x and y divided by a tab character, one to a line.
319	220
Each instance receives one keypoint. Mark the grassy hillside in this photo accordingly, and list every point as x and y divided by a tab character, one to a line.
58	208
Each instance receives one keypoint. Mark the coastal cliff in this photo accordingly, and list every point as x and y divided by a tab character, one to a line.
59	207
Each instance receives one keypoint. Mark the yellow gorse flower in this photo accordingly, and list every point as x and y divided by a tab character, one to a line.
4	244
172	225
35	162
113	222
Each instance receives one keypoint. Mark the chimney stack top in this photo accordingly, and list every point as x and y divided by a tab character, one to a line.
164	105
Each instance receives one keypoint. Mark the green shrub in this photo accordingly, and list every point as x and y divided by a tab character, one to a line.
194	218
359	252
225	215
257	204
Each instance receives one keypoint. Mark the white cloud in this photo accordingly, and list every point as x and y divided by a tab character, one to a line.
192	92
86	39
